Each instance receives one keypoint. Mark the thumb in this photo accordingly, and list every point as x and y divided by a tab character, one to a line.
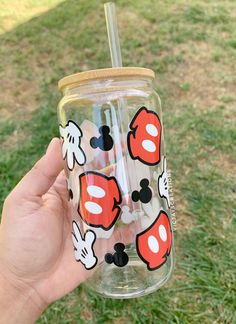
42	176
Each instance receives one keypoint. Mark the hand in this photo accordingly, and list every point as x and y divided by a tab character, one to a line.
36	254
37	264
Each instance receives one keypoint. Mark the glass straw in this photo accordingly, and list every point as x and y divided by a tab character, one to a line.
116	60
112	31
122	114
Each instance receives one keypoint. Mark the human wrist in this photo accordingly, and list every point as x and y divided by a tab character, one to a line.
19	302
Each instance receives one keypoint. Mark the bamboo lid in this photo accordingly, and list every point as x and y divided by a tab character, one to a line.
105	74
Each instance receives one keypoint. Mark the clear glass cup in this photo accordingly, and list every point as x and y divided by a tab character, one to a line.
113	148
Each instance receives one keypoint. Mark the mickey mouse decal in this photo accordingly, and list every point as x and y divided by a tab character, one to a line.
105	141
71	148
145	194
73	188
70	194
120	258
99	199
154	243
144	139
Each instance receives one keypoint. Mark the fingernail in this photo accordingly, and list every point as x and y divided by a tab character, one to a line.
51	144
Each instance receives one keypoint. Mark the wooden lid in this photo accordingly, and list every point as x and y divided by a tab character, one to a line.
105	74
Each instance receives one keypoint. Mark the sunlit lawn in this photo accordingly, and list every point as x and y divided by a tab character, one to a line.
192	48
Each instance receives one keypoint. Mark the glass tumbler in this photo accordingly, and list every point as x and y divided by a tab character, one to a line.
113	149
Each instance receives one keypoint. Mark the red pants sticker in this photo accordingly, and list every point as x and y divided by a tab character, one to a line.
144	139
99	199
154	244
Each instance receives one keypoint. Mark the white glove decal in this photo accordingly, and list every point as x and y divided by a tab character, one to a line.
128	217
71	149
151	210
163	183
84	247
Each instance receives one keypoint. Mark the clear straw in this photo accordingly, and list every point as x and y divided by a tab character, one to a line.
112	31
122	112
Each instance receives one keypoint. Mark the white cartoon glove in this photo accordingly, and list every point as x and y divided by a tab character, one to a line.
128	217
84	247
163	183
151	210
71	149
89	130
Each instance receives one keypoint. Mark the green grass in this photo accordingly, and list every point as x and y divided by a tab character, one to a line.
177	39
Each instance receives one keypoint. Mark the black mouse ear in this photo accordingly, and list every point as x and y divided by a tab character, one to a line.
144	183
135	196
93	142
119	247
104	129
109	258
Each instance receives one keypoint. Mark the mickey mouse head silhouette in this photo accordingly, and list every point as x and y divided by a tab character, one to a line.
119	258
145	194
105	141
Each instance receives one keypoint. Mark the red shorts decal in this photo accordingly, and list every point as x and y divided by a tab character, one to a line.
144	139
99	199
154	244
